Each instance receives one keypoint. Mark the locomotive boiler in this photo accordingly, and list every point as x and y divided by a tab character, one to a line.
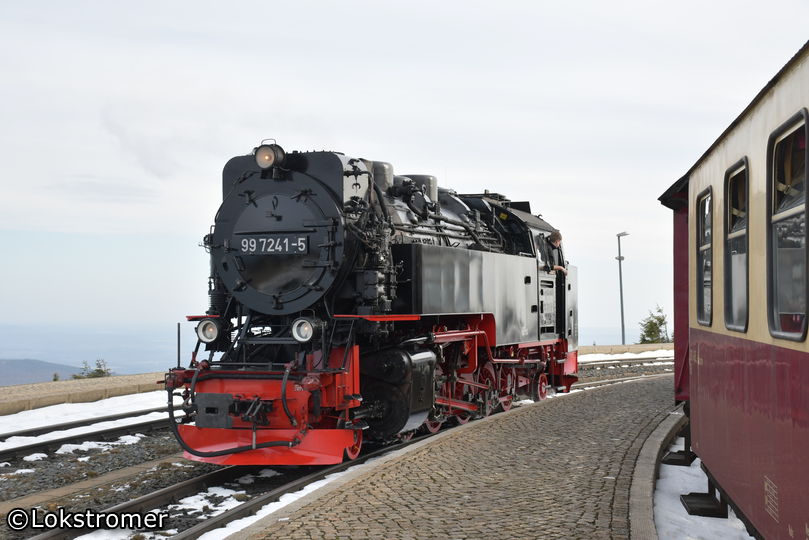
348	303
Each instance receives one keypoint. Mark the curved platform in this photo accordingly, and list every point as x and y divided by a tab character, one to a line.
562	468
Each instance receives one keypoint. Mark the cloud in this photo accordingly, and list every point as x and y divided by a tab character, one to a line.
106	189
153	153
589	110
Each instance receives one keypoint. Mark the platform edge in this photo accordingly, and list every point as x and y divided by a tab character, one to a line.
644	477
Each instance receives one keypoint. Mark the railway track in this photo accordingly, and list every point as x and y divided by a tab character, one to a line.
33	432
158	500
103	434
171	494
582	385
601	364
161	498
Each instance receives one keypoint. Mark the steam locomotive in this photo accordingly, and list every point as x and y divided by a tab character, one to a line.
348	303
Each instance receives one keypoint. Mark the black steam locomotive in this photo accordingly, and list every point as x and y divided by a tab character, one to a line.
347	302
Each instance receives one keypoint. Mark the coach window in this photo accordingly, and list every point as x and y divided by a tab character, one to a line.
704	258
787	158
736	246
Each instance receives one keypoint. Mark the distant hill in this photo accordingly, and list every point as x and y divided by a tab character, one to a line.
26	371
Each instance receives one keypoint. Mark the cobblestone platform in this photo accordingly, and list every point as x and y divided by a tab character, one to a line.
561	468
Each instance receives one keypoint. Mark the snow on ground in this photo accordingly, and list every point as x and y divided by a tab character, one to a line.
69	412
240	524
217	499
22	471
100	445
595	357
125	534
14	442
671	519
112	534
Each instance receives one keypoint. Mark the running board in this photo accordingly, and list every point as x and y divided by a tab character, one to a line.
681	458
706	504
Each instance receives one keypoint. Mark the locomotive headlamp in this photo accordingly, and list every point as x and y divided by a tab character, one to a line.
269	155
303	330
207	331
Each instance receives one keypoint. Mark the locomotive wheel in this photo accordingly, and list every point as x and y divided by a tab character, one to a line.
540	387
490	397
432	426
508	377
461	416
353	451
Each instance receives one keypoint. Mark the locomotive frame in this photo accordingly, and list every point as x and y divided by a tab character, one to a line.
348	303
740	290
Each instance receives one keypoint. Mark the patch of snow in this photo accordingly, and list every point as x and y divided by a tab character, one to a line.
671	519
268	473
126	534
194	503
84	459
103	446
112	534
595	357
13	442
5	464
70	412
553	395
22	471
35	457
239	524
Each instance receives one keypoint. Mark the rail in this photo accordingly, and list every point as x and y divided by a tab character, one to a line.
33	432
108	433
172	493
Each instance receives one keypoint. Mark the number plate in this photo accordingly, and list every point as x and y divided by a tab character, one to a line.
274	244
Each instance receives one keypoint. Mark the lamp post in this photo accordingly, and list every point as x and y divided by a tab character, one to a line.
619	258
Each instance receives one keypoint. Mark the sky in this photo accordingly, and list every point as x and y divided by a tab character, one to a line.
117	120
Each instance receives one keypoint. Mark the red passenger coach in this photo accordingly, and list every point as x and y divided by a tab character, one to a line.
741	291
